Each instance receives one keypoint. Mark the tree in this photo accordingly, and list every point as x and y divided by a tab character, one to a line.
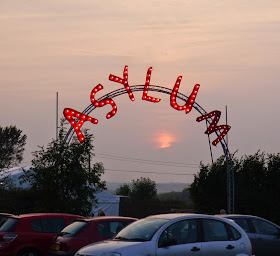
62	177
257	191
18	200
250	184
272	187
123	190
208	190
143	198
183	196
258	186
143	189
12	144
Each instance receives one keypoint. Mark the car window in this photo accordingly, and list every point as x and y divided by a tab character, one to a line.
111	228
8	224
265	228
36	225
243	223
72	220
181	232
48	225
235	235
141	230
214	230
73	229
2	217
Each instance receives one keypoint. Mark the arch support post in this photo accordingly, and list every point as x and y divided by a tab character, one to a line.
230	184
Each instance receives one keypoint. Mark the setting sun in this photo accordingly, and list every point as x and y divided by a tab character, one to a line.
164	140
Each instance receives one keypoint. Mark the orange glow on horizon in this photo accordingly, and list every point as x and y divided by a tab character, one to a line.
164	140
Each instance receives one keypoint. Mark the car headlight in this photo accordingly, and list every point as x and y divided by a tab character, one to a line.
111	254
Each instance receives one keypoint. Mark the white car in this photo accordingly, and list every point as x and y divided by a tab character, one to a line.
175	235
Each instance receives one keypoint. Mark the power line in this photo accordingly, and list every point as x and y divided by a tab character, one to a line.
161	173
145	161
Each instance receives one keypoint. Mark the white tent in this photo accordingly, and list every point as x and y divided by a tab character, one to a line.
106	201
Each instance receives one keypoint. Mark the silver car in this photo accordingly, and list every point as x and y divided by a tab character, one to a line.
175	235
264	234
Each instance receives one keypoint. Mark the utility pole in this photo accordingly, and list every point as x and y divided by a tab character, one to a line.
230	178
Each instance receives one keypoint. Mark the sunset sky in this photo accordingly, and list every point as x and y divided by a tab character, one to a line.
230	48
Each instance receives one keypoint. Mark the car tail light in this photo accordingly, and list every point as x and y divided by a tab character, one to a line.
253	250
9	237
65	247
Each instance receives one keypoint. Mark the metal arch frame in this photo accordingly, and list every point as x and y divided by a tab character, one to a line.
197	107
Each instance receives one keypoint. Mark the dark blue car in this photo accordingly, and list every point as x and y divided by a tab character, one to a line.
264	234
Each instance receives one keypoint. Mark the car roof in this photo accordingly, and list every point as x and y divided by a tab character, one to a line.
32	215
243	216
5	214
236	215
233	215
171	216
101	218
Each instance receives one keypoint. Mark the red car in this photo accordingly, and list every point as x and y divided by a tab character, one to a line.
31	234
86	231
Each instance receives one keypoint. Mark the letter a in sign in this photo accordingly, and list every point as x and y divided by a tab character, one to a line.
213	126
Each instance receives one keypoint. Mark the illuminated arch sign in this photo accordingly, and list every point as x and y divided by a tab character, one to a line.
77	119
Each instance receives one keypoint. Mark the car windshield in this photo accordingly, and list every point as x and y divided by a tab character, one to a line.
8	224
73	229
141	230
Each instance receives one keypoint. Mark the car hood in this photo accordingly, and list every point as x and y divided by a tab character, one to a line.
129	247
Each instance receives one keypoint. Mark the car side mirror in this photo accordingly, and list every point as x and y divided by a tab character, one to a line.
168	242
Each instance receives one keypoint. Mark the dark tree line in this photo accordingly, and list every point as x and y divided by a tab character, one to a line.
141	194
60	179
257	191
143	199
142	189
